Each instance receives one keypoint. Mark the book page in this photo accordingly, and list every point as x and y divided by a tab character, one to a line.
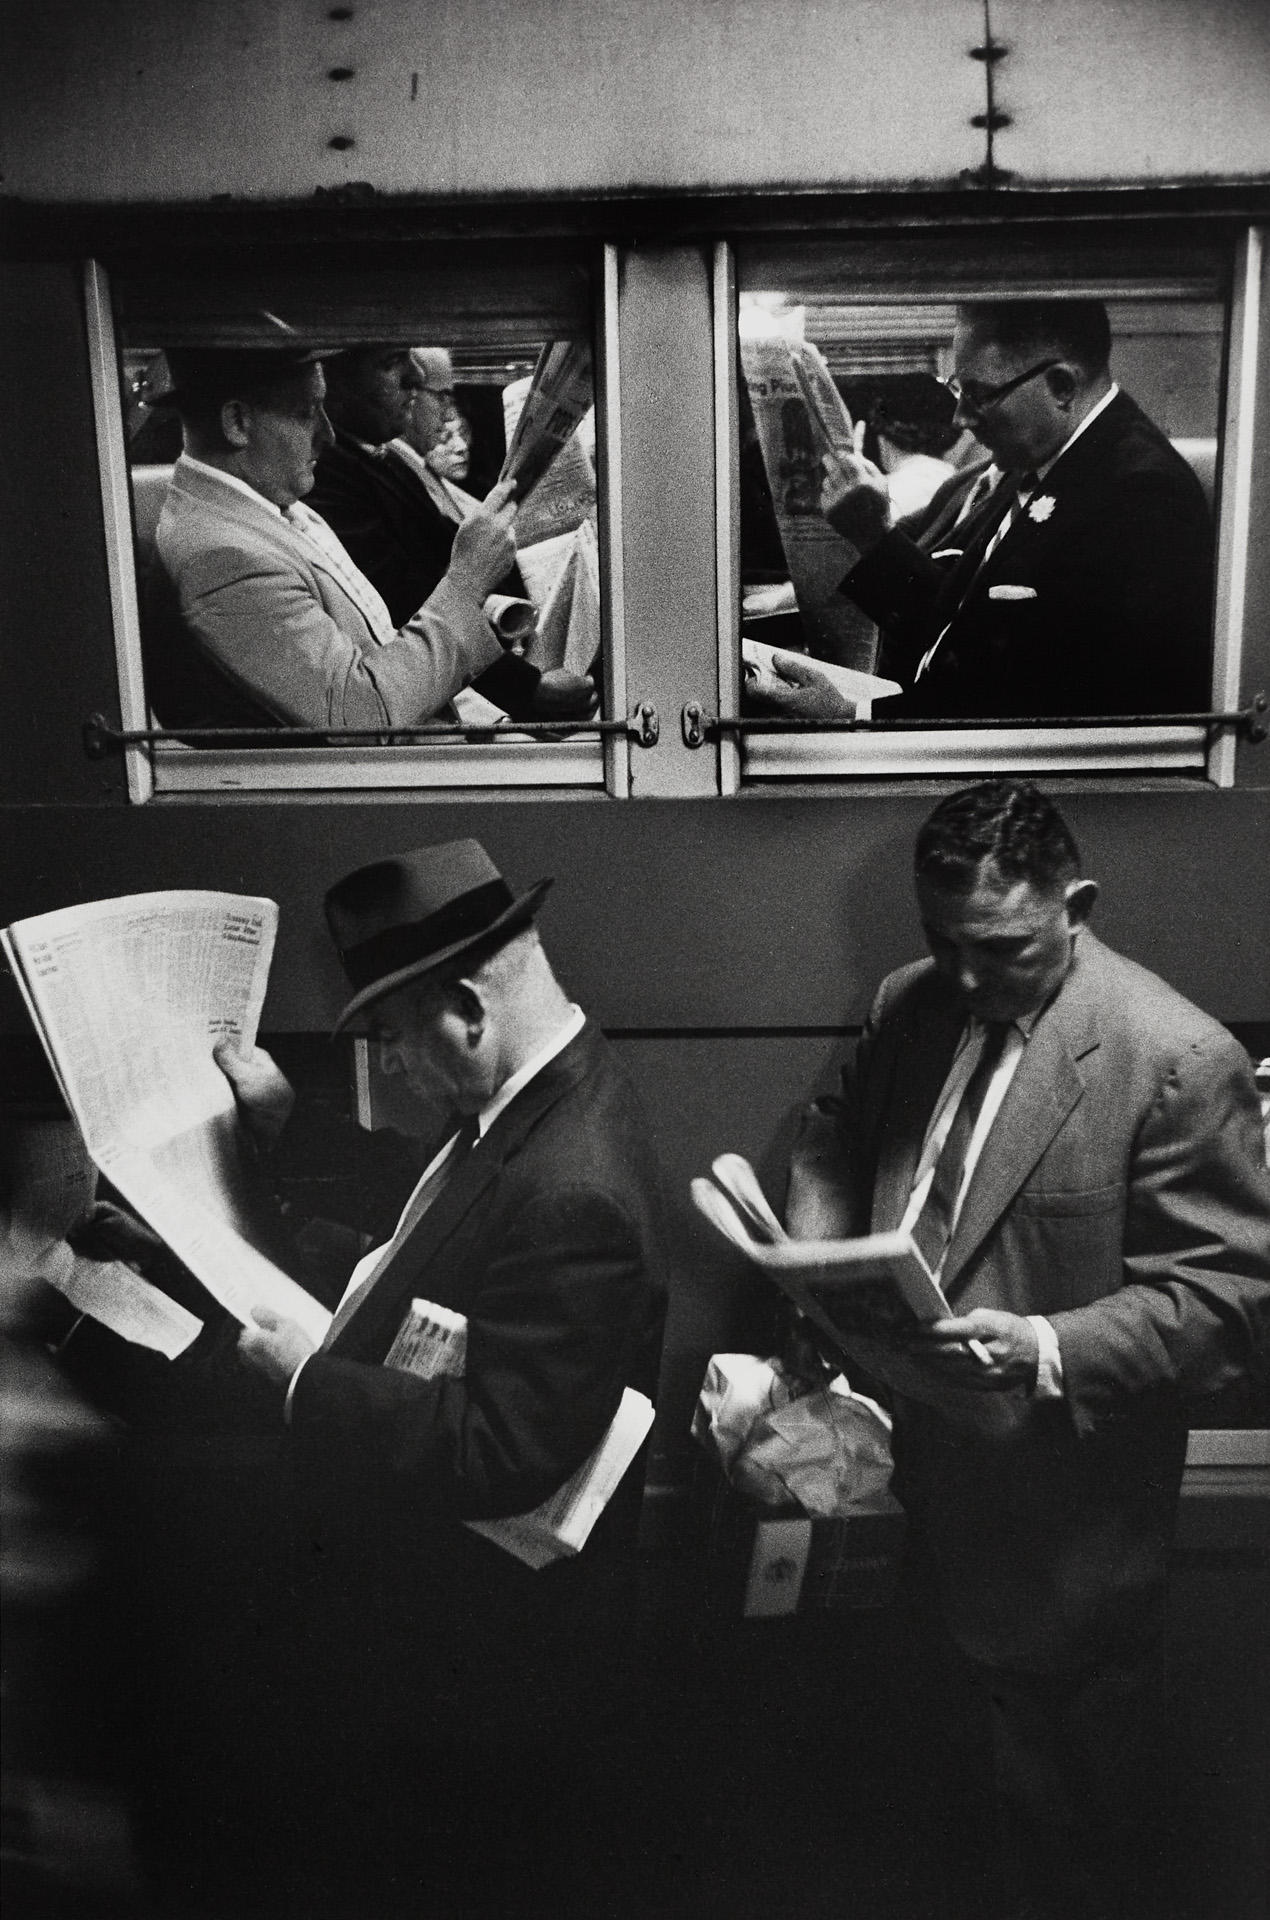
129	997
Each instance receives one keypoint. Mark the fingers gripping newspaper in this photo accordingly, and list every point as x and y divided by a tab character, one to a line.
129	996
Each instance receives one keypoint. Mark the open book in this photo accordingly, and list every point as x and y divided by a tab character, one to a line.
871	1286
432	1342
129	996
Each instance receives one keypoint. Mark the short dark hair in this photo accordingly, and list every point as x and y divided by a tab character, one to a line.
1008	824
1072	329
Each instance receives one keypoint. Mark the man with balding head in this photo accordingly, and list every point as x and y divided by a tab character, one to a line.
1078	579
257	614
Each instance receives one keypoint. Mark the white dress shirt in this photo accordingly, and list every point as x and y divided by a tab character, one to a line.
367	1269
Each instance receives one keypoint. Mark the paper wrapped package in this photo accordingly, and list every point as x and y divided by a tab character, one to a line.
825	1450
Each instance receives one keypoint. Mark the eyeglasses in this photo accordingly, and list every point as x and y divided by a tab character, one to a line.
983	399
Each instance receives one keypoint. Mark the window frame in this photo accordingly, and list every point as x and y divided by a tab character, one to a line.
770	760
586	765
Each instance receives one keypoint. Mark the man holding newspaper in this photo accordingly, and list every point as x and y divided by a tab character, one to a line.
465	1429
1076	1151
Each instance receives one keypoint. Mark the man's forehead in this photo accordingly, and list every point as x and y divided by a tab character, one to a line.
975	350
993	902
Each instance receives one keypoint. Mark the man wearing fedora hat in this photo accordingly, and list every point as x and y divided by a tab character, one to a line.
427	1646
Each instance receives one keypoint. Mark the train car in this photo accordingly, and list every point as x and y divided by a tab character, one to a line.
694	192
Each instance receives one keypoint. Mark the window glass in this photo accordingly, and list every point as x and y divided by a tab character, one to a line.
308	453
982	474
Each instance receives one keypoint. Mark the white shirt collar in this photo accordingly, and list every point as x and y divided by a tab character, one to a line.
190	464
1087	422
534	1065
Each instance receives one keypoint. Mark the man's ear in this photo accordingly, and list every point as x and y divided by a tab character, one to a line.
1063	382
235	422
1079	901
469	1004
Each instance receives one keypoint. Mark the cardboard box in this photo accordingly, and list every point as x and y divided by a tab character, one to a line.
765	1562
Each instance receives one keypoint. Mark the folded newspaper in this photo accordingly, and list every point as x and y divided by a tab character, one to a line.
432	1342
860	1293
129	996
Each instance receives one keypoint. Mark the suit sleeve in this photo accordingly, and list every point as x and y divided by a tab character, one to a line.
267	630
1195	1304
547	1343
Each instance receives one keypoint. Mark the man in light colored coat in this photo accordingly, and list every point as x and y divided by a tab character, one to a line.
1108	1251
256	614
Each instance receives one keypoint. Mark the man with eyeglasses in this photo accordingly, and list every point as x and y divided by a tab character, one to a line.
1077	577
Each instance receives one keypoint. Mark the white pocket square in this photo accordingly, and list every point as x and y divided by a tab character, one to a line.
1012	593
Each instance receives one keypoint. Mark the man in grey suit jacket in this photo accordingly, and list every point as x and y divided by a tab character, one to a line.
1107	1246
256	614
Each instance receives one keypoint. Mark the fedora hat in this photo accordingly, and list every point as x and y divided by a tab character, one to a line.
402	918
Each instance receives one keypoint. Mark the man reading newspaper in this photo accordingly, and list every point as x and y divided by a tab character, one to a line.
454	1711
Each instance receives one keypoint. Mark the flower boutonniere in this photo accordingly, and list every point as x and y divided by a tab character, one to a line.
1041	508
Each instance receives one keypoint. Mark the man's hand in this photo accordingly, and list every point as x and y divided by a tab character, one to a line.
564	696
1008	1340
106	1233
274	1346
262	1091
854	498
797	690
484	549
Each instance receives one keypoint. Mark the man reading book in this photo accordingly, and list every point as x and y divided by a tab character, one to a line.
1077	1150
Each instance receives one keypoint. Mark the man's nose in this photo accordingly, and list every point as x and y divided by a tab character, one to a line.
389	1058
965	413
323	432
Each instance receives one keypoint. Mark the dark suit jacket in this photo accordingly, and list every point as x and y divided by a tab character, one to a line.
1122	1193
401	541
1114	554
548	1238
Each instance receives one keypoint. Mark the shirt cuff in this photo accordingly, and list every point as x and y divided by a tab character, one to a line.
286	1405
1049	1360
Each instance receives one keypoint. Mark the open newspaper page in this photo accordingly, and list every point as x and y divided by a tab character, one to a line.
794	435
539	428
563	574
129	996
862	1293
431	1343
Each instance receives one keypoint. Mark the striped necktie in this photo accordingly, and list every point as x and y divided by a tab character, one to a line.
933	1227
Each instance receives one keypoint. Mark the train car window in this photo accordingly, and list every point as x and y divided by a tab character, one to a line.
978	483
307	455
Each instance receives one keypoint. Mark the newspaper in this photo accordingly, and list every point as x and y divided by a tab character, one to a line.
799	416
128	997
52	1182
542	420
563	574
432	1343
860	689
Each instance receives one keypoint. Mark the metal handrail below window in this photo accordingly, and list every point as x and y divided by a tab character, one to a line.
698	726
101	738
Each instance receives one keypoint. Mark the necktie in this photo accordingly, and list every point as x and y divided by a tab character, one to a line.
424	1196
1024	487
933	1227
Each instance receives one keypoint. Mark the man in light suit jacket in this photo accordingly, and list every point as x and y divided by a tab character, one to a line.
1109	1252
394	530
434	1656
256	615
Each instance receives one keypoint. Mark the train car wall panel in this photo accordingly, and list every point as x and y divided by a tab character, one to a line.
278	99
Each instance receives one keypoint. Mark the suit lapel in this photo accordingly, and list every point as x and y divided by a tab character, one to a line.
1069	480
371	1327
1048	1083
